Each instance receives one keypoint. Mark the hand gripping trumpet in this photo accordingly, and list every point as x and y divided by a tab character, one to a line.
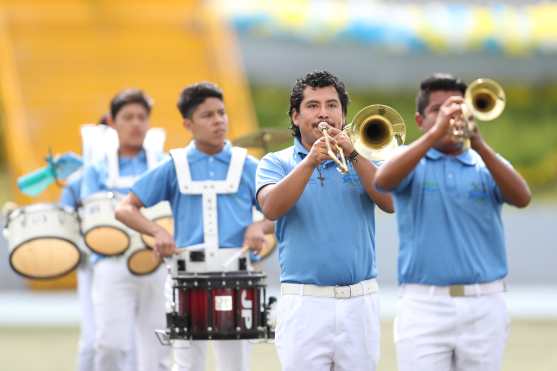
375	131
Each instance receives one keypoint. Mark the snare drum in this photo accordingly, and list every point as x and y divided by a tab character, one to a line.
161	214
141	260
102	233
43	241
218	305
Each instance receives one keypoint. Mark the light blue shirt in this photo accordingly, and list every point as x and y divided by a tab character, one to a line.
235	210
95	176
328	236
71	193
449	222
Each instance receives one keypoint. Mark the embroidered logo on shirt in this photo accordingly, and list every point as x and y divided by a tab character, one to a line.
477	192
431	185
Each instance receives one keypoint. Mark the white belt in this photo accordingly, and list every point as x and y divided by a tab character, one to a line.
475	289
340	292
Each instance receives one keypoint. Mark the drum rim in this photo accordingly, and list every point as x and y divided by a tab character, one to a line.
107	226
141	235
34	208
68	271
100	196
140	274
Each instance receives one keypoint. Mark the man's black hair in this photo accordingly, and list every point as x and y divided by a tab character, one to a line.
437	82
316	79
129	96
194	95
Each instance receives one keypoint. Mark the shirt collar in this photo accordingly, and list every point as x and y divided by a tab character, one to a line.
195	155
140	156
466	157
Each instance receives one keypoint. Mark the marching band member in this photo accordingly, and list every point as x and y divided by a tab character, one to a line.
328	314
209	158
122	301
452	313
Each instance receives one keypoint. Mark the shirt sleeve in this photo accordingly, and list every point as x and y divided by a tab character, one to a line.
269	171
91	182
71	194
154	186
250	171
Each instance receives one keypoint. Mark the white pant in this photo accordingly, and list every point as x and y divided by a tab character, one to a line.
86	356
124	303
323	334
443	333
231	355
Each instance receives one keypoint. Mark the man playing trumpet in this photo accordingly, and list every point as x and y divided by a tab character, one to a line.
452	314
328	314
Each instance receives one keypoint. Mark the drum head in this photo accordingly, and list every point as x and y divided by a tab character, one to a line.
107	241
143	261
45	258
167	223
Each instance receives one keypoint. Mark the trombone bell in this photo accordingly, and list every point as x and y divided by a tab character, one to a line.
376	130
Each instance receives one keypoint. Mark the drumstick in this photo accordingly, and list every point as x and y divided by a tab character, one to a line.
235	256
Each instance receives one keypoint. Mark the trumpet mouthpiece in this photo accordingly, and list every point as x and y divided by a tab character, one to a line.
323	126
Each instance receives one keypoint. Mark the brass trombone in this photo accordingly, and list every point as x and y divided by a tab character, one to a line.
375	131
485	101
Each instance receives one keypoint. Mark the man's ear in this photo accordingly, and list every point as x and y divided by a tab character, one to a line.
419	120
187	123
294	117
110	122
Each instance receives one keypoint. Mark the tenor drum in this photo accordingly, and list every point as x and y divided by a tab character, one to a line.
141	260
161	214
102	233
43	241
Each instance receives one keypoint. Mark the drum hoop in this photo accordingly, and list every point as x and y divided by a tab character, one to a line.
68	271
140	274
216	282
107	226
32	209
99	196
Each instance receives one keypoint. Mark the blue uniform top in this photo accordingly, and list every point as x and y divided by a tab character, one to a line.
328	236
95	176
234	210
449	221
71	193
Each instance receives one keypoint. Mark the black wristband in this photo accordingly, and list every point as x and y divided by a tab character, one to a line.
353	156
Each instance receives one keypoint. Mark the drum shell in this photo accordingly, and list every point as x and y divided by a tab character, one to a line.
39	232
221	306
140	259
97	215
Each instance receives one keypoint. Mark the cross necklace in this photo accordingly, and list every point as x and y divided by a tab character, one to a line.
320	177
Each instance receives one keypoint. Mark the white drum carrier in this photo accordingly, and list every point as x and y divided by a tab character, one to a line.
208	257
43	240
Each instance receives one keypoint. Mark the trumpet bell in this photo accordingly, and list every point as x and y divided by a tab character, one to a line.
376	131
485	99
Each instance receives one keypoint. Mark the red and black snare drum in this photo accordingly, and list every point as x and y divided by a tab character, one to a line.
218	305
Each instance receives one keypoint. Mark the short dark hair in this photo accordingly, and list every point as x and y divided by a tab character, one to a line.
316	79
104	119
129	96
437	82
194	95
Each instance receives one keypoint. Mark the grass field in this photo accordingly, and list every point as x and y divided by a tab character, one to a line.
532	347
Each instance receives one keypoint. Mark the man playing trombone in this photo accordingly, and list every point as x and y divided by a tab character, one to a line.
452	314
328	313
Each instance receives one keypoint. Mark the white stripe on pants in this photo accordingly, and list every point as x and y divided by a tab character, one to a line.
124	303
231	355
324	334
442	333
